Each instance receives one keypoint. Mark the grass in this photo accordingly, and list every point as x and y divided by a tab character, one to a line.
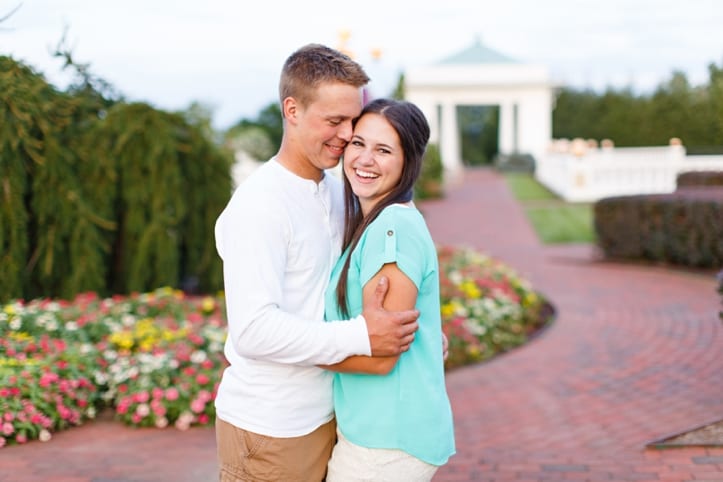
554	220
526	188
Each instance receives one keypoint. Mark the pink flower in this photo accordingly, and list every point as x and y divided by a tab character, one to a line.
171	394
141	397
9	417
205	395
21	438
47	378
2	441
159	410
198	405
202	379
64	412
184	421
203	419
8	428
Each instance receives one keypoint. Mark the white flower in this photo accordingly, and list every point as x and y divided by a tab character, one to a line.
16	323
44	435
71	326
143	409
199	356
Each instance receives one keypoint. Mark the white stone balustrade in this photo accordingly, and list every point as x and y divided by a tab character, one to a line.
577	171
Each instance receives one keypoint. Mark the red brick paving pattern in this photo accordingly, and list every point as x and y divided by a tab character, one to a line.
635	354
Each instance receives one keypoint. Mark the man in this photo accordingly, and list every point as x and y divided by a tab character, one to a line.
279	237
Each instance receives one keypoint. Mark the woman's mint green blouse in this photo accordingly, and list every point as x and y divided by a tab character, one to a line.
408	409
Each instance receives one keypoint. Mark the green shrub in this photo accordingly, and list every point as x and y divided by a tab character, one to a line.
685	227
699	178
429	184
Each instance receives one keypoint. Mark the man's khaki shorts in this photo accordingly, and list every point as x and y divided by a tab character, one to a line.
248	456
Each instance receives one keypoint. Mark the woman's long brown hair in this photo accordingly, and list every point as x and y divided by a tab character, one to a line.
413	131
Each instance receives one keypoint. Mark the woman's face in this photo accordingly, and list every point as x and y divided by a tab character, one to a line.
373	160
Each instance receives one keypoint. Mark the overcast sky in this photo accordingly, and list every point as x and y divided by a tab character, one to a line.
228	53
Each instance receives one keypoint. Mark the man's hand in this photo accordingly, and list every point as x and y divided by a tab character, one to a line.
390	332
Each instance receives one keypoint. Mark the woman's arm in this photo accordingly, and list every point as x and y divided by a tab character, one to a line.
402	296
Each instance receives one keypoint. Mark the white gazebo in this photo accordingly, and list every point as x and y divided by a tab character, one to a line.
481	76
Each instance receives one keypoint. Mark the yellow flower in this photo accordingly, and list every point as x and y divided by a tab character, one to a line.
122	339
448	309
146	345
9	309
20	336
470	289
208	304
529	299
165	291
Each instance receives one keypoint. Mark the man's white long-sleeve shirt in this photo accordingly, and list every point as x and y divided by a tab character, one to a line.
279	237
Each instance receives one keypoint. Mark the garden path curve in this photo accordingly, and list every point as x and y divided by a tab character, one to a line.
635	354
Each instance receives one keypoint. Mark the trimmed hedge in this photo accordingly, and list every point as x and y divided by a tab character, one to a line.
699	178
685	227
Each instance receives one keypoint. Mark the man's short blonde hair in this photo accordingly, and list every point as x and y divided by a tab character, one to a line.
314	64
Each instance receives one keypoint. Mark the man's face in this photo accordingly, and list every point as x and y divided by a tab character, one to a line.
323	128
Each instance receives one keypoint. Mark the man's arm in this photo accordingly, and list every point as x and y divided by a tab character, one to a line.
252	244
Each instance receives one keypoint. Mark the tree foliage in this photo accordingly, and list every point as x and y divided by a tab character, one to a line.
260	137
674	109
100	194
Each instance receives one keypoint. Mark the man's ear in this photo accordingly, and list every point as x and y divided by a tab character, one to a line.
290	109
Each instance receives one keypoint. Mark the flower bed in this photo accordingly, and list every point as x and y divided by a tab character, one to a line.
156	358
487	308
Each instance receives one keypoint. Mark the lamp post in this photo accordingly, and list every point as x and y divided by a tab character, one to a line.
375	53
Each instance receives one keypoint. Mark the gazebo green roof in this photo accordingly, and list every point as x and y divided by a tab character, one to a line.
477	53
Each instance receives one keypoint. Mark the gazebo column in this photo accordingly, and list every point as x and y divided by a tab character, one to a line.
449	145
507	128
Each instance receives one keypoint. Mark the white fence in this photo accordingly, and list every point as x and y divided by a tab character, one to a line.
579	173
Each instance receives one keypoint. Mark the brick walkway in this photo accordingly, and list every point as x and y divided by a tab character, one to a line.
636	354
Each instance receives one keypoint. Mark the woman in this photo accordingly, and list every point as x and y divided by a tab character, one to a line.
394	420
